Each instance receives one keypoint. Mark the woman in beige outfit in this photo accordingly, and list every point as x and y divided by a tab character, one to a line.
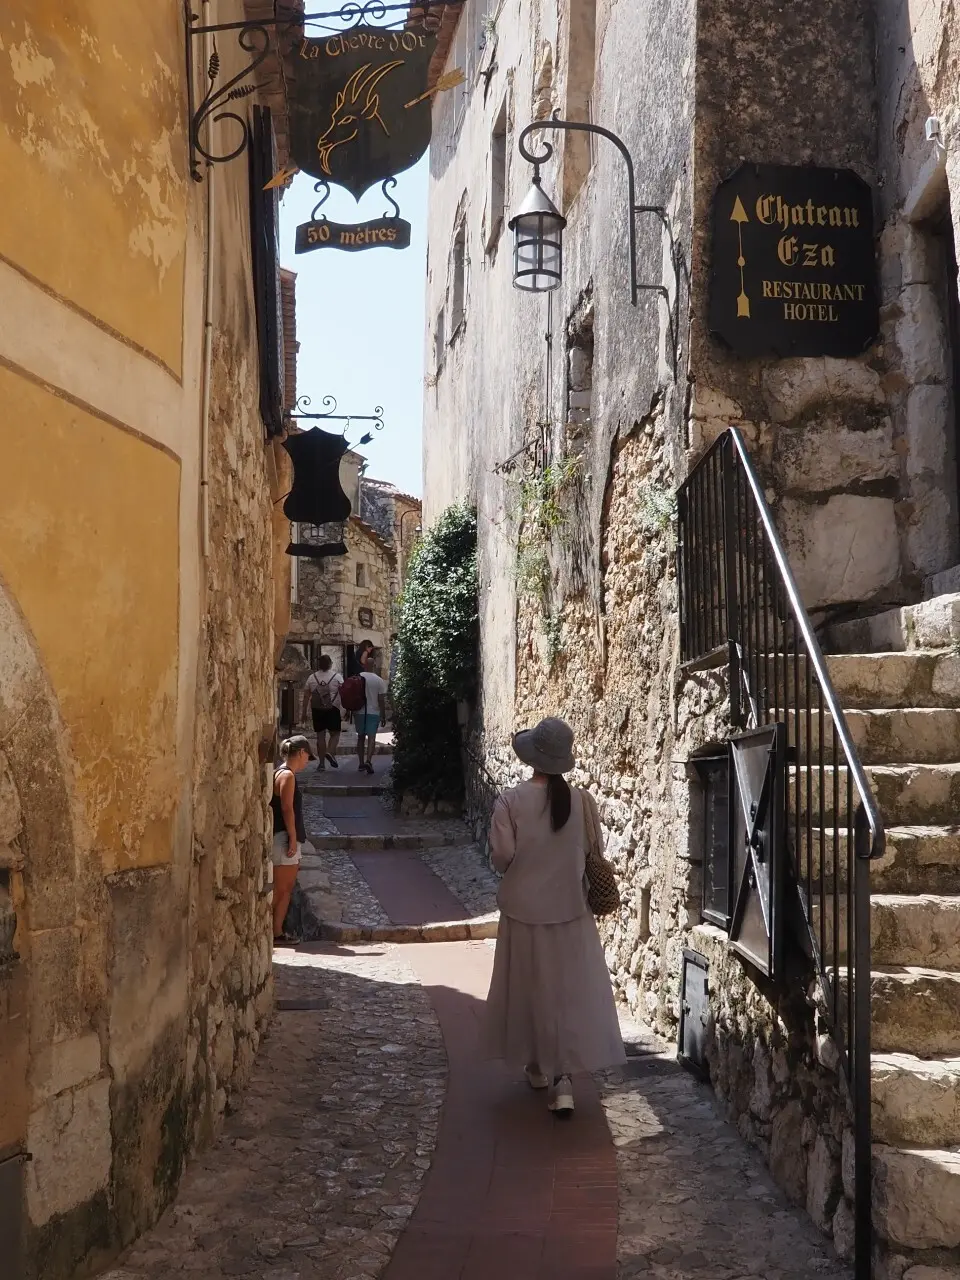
550	1007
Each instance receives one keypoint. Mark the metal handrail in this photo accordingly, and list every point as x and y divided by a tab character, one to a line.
739	598
812	645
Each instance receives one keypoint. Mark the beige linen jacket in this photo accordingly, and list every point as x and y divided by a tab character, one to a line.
543	870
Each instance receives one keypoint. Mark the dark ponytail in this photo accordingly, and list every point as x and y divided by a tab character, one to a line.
558	798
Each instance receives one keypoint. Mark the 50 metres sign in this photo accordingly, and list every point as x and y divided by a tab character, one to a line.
386	233
794	267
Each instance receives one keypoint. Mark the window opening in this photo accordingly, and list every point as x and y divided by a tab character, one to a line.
713	773
360	576
457	300
581	70
498	177
580	371
439	339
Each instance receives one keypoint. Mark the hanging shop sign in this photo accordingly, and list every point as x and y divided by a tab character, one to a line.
358	104
383	233
316	496
794	265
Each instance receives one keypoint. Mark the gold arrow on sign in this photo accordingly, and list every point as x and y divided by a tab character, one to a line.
449	81
739	216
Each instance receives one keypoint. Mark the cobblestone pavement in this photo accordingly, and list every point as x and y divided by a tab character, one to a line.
696	1203
314	819
316	1174
355	897
467	874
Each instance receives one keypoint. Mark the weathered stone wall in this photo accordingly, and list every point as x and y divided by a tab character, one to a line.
329	596
136	672
591	634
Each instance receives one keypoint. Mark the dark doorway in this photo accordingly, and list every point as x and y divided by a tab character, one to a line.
944	243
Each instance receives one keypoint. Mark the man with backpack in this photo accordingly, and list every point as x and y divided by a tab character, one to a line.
322	692
366	696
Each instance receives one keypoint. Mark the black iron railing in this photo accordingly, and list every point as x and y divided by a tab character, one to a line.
739	604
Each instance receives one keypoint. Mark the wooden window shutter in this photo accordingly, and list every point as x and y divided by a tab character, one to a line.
264	230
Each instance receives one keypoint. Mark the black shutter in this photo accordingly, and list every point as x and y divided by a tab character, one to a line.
264	230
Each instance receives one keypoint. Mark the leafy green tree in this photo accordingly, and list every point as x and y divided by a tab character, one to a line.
436	657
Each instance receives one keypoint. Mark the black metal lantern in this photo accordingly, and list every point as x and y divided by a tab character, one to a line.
537	228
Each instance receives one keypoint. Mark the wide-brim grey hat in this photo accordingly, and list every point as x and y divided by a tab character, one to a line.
547	747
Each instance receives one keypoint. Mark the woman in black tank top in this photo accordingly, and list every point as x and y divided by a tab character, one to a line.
288	829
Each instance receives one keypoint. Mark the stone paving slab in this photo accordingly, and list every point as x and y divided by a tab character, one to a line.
319	1170
478	929
425	840
350	900
467	874
696	1202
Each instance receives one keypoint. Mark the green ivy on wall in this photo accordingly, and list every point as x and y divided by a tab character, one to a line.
436	657
542	501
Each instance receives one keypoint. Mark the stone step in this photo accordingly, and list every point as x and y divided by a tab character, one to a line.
883	735
931	624
906	794
916	1197
916	860
920	929
426	840
922	678
915	1010
916	1101
344	788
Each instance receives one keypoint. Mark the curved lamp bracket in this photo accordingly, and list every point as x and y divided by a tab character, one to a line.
575	126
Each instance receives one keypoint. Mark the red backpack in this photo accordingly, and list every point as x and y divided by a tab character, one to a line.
353	694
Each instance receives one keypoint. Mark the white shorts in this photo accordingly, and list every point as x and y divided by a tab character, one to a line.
281	843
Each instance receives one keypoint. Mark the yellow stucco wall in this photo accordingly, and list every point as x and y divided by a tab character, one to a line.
89	537
92	110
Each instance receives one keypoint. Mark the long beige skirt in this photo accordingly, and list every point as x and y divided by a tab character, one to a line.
550	999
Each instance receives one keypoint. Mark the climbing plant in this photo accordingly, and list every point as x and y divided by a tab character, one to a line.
436	657
543	507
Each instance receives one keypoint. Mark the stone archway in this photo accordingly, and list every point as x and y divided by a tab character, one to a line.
49	1048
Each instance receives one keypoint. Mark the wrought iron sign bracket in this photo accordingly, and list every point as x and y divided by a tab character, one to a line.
256	40
330	415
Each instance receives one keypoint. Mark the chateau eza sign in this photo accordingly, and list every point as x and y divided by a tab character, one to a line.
359	110
794	266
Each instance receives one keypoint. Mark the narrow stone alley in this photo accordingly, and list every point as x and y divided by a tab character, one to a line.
372	1142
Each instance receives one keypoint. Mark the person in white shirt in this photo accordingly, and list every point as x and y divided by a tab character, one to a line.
374	713
321	693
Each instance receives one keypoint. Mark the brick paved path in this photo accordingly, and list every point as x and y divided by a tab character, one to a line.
340	1164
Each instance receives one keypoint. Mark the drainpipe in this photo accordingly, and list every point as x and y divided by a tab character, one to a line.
208	48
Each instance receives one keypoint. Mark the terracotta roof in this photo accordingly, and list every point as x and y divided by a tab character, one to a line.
372	534
394	491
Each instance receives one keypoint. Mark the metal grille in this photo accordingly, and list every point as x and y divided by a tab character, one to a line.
739	600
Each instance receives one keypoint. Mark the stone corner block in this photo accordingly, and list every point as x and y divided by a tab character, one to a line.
65	1064
844	550
793	386
69	1139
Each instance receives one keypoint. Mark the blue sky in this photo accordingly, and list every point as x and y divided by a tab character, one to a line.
360	320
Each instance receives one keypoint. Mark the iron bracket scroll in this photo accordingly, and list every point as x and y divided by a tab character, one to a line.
257	40
576	126
330	412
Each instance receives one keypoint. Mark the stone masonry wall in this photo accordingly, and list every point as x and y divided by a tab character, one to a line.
595	639
329	598
231	984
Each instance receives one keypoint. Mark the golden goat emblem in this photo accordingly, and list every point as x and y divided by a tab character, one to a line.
357	102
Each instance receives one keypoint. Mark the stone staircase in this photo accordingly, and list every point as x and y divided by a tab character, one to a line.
897	676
